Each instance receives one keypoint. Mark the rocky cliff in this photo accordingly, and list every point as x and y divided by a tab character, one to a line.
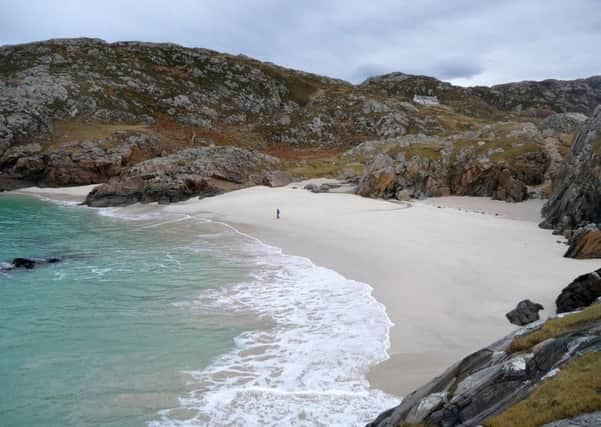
82	111
576	199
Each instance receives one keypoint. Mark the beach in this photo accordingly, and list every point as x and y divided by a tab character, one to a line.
447	269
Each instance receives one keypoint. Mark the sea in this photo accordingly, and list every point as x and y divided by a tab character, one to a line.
157	319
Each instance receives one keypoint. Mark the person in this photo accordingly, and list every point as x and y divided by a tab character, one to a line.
277	213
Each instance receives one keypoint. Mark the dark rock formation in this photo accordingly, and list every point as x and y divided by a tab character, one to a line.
582	292
525	312
192	172
29	263
576	198
489	381
585	243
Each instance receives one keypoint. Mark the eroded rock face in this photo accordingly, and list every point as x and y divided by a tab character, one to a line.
378	178
191	172
582	292
525	312
576	199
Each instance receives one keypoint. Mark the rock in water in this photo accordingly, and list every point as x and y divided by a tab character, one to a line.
28	263
585	244
23	263
525	312
582	292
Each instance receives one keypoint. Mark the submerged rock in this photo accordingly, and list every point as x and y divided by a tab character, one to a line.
29	263
525	312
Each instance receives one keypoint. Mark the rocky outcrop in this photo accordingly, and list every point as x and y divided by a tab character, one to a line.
525	312
585	243
491	380
581	95
80	162
576	198
191	172
563	122
432	166
582	292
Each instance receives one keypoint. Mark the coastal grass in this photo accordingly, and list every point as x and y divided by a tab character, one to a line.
555	327
573	391
322	168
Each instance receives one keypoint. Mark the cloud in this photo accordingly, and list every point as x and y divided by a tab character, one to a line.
464	41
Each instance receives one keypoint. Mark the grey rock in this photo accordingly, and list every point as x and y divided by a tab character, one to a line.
525	312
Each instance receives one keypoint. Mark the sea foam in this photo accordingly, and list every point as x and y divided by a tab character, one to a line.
309	368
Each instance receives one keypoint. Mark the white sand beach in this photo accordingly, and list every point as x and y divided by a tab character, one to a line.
447	269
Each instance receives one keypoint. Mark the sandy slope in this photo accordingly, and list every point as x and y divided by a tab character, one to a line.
447	269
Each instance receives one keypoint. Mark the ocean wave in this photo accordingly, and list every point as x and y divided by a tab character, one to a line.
309	368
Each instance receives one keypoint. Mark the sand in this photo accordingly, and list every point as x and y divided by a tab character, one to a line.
447	269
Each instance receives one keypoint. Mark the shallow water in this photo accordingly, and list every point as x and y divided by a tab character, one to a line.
172	320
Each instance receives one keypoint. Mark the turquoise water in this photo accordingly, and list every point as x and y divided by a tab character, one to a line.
164	319
102	338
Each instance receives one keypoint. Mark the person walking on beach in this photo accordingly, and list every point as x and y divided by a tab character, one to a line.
277	213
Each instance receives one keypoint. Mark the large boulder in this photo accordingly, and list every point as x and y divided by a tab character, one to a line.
378	178
277	179
576	198
525	312
582	292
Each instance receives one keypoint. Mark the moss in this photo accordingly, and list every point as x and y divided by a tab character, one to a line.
574	391
555	327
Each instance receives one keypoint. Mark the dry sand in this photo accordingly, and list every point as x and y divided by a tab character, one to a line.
446	269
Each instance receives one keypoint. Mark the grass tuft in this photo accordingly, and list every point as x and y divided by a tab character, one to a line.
573	391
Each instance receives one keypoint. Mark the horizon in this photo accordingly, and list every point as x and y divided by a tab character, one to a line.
465	43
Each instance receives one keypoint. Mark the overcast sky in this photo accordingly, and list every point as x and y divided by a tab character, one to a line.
463	41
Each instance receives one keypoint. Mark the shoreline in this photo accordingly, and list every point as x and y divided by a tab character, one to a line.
422	259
